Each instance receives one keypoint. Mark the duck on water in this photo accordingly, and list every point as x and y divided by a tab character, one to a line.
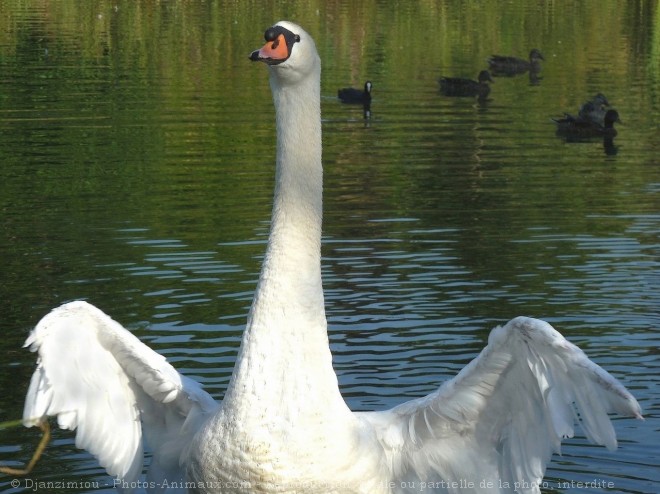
504	65
587	127
350	95
457	86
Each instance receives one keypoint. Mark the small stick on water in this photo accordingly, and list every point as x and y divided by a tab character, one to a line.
43	425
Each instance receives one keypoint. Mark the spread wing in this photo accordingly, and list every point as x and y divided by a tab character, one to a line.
496	424
102	381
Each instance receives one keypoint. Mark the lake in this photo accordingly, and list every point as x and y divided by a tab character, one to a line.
136	169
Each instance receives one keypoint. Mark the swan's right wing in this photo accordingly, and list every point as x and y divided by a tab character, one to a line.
495	425
103	382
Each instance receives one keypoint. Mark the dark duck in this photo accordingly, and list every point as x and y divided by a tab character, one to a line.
356	96
509	66
571	126
456	86
595	109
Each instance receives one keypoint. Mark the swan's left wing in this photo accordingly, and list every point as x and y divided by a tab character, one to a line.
103	382
495	425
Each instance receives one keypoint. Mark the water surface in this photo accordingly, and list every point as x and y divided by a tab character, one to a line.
136	169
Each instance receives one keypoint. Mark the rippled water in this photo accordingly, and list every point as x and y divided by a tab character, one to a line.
136	167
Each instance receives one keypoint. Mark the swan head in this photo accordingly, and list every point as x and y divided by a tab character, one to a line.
289	52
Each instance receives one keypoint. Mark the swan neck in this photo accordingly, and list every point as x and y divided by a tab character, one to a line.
293	256
285	350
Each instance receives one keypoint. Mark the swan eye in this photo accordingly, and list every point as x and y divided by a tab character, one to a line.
297	38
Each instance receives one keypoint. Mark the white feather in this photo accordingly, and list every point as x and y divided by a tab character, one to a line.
99	379
510	407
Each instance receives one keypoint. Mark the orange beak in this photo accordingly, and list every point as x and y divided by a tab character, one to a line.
279	43
273	51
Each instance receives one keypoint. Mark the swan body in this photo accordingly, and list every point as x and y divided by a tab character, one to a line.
283	426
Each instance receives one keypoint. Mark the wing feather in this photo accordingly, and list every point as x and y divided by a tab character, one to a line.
500	419
102	381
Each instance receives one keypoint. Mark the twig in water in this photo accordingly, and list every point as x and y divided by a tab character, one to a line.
45	427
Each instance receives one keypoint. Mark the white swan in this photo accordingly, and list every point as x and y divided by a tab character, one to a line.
283	425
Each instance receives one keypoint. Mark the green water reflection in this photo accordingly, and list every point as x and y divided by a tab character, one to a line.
136	167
